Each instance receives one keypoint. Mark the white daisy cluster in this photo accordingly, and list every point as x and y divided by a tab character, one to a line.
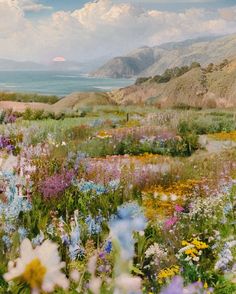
206	206
156	252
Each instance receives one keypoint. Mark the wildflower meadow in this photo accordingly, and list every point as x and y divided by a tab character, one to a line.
115	203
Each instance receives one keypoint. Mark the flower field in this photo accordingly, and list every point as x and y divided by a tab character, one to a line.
110	203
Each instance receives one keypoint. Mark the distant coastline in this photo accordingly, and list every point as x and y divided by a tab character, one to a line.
59	83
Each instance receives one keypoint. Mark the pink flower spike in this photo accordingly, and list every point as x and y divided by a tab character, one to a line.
170	222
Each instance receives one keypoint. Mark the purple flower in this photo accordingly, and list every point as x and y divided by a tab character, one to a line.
56	184
176	287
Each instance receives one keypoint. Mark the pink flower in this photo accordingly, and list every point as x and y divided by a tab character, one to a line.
170	222
179	208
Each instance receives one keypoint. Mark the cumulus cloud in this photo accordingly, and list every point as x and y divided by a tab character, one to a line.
26	5
102	28
228	14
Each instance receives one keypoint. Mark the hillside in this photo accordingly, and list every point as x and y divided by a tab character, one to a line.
214	86
71	103
76	101
151	61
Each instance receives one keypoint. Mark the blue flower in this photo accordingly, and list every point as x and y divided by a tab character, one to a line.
108	247
50	229
114	185
65	239
228	207
129	210
7	241
22	233
75	251
89	186
75	235
15	203
129	219
38	240
9	228
94	224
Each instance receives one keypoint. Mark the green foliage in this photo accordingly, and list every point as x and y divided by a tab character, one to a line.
201	126
224	286
168	75
28	97
141	80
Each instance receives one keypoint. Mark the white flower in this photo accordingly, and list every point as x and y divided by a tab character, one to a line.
95	285
164	197
39	267
196	258
190	246
75	276
173	197
156	250
92	263
126	283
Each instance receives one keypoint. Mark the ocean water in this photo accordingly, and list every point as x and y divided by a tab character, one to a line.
57	83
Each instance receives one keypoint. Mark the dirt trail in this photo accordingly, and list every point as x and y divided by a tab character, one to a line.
22	106
215	146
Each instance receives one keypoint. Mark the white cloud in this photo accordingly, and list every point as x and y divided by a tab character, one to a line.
101	28
228	14
26	5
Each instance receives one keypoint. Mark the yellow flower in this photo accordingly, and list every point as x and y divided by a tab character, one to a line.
103	135
231	136
192	251
199	245
167	273
185	243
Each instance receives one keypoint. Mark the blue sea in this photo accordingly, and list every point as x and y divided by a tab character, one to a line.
57	83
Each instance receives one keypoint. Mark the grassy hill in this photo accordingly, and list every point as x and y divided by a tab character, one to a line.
210	87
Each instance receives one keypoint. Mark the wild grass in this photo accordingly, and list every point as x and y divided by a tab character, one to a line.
28	97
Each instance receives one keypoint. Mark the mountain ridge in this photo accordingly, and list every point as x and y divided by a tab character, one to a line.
148	61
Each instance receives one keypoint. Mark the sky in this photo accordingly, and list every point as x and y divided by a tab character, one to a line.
80	30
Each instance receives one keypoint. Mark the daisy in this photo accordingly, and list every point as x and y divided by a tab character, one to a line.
39	267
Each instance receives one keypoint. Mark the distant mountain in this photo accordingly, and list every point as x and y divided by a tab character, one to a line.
150	61
7	64
83	67
210	87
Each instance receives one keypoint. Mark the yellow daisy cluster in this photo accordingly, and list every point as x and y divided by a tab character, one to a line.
193	249
103	134
168	273
151	158
231	136
161	201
